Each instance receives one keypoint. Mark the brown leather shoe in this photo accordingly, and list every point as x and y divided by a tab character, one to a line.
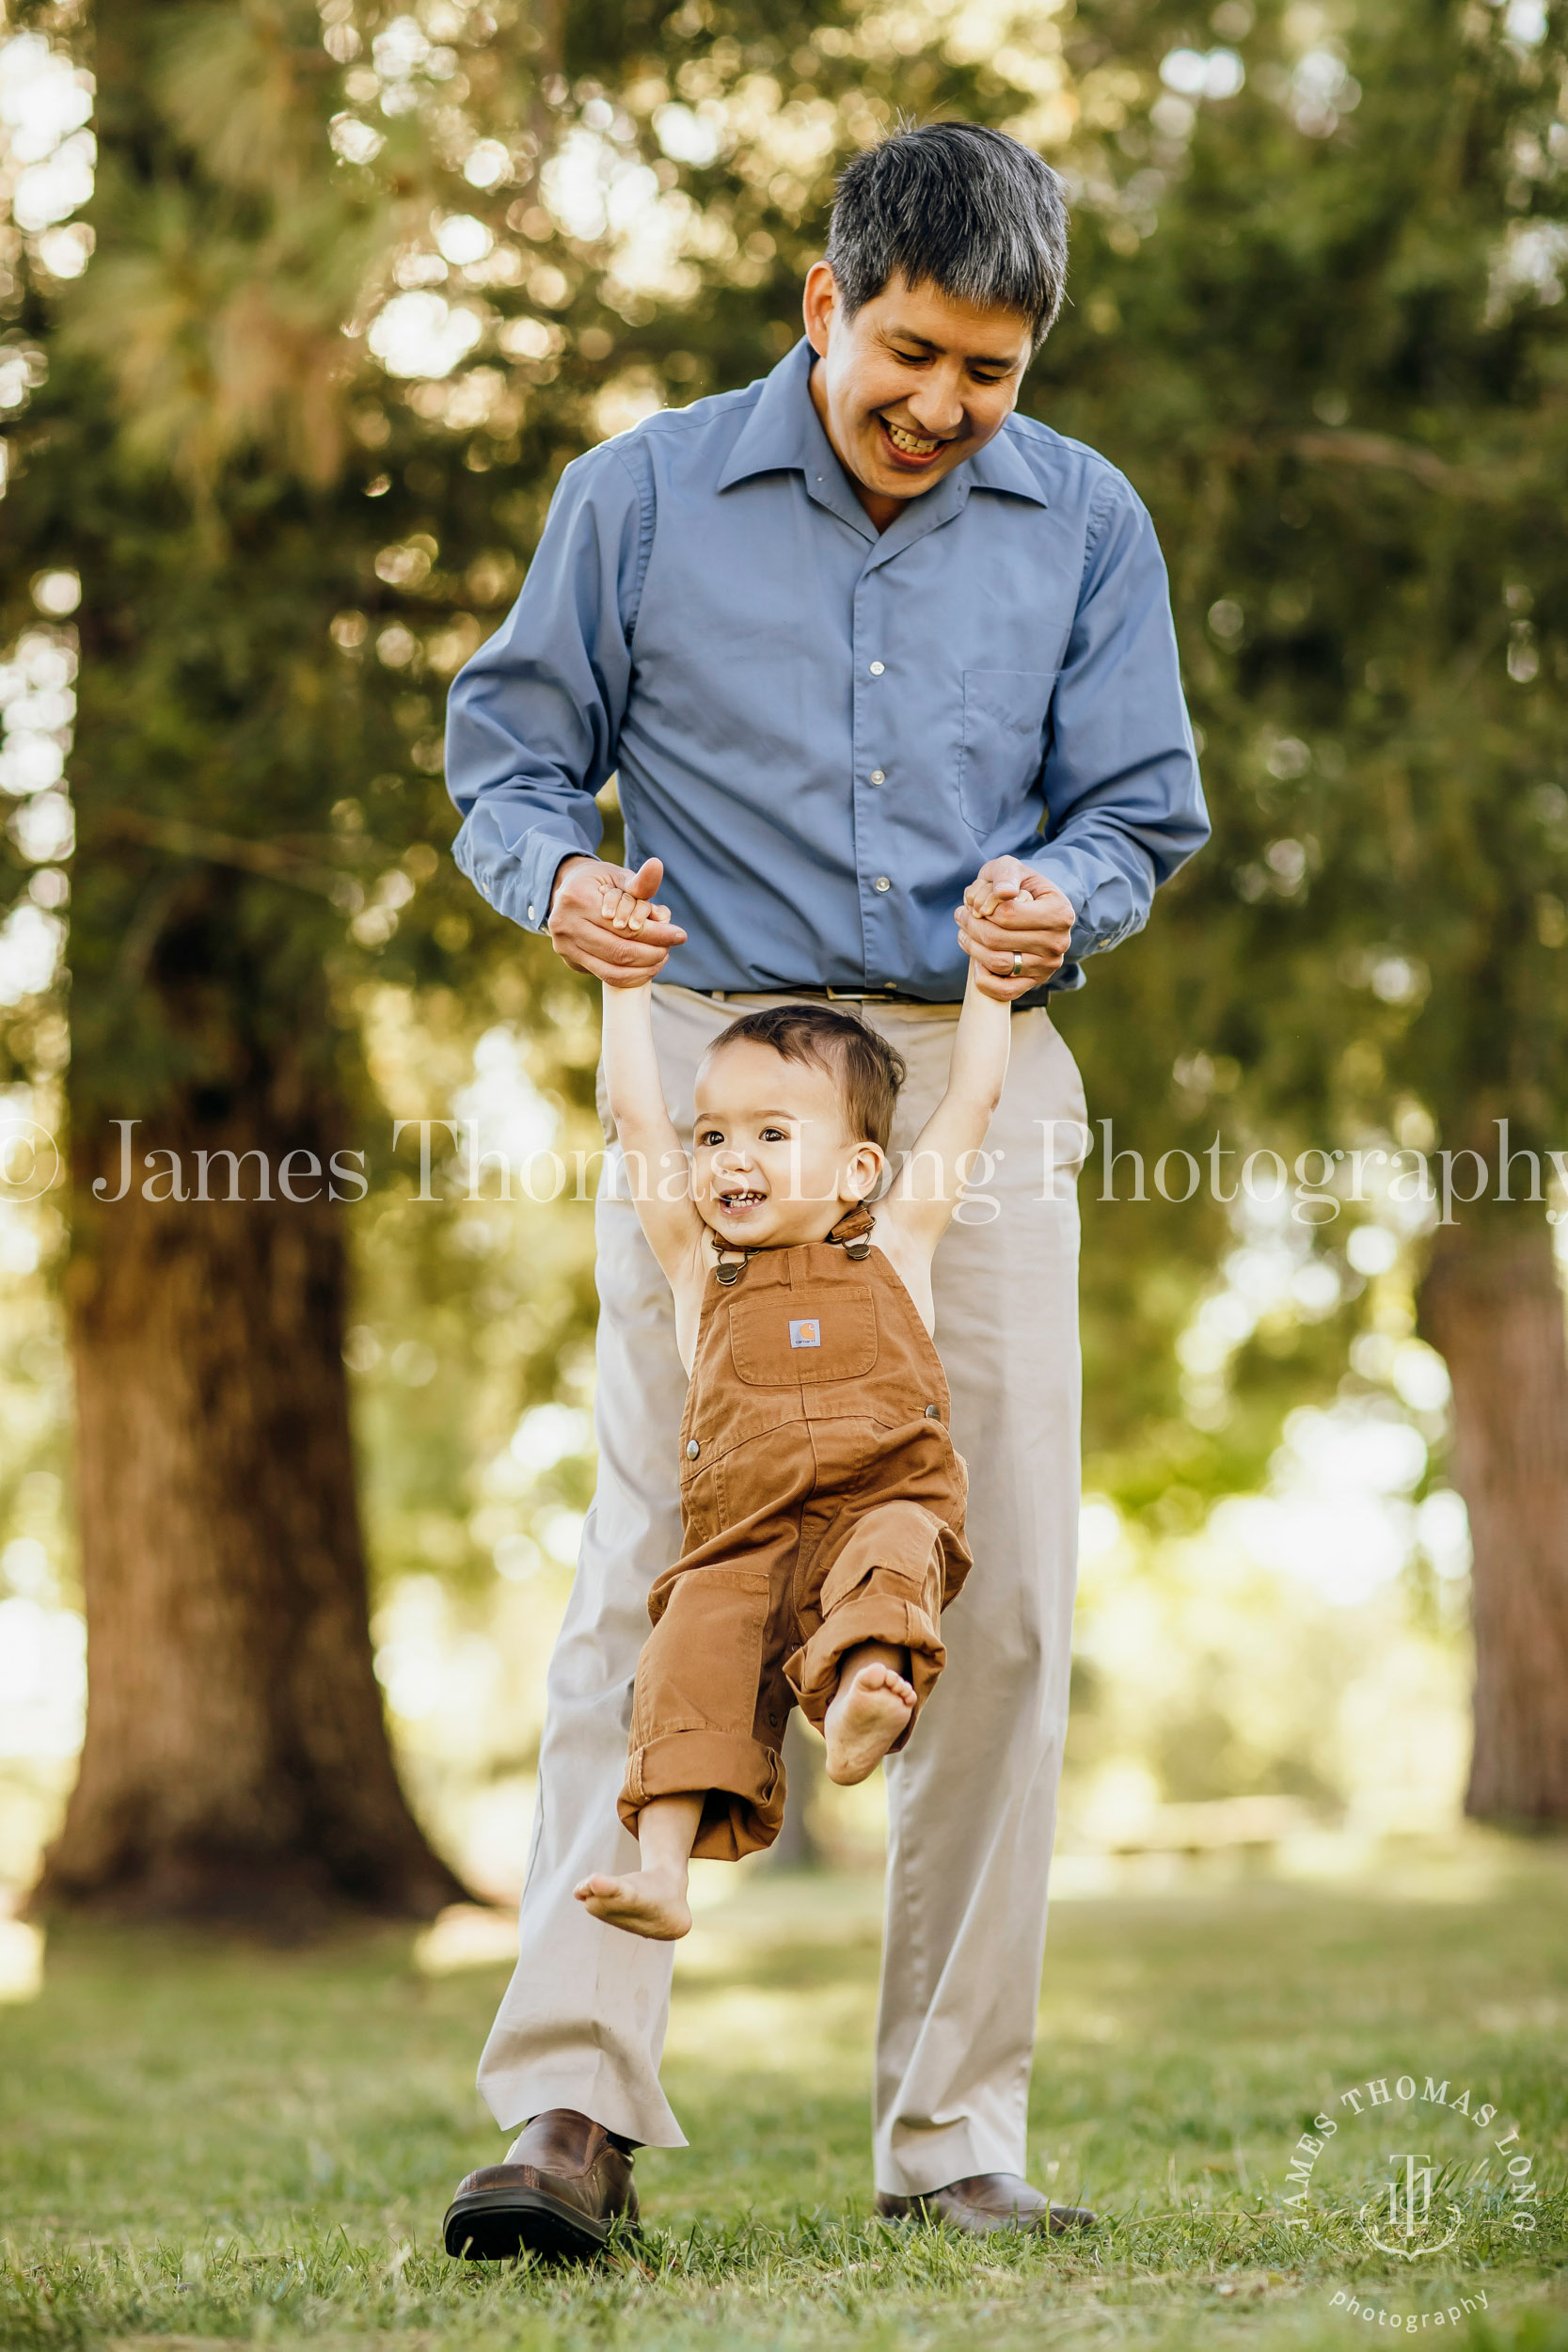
564	2186
984	2202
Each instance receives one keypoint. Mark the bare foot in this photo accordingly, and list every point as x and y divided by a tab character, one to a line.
644	1903
869	1712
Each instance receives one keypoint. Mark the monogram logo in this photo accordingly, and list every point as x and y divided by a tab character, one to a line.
1402	2221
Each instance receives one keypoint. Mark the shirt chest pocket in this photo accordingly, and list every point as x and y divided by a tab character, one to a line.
782	1338
1005	716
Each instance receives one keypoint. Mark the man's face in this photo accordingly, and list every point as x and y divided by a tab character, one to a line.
912	385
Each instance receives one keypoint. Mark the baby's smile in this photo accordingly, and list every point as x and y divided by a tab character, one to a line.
736	1203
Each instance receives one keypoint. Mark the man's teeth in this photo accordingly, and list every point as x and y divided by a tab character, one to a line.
910	442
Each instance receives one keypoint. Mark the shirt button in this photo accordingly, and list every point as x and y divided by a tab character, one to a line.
692	1449
877	777
876	669
530	914
932	1412
881	882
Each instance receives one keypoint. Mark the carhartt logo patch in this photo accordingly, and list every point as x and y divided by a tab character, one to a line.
805	1334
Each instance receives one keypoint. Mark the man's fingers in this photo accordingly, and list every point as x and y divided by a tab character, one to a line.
984	897
619	962
623	913
998	879
646	945
999	983
604	921
624	898
1043	935
594	949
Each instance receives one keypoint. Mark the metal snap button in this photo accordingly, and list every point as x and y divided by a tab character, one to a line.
933	1413
692	1449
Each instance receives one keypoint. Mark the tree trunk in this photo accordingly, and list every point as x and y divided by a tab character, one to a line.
236	1763
1491	1305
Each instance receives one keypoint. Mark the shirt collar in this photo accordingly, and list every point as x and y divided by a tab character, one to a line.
1002	465
783	430
783	433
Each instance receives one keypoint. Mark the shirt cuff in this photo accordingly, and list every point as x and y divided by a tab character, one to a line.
518	879
552	856
1070	885
1103	913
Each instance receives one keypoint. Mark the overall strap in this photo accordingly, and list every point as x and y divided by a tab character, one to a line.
729	1265
852	1234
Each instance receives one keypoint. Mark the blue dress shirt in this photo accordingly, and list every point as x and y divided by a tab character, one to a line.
822	731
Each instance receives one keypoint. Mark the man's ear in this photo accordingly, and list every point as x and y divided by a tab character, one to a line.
820	305
863	1172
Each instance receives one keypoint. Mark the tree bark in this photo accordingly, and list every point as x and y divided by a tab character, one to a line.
1492	1307
236	1763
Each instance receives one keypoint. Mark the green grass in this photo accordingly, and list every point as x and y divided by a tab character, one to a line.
203	2142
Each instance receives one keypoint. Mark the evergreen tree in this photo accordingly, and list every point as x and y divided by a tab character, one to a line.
1336	371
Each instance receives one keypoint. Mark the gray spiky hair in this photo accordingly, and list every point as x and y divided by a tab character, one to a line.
955	206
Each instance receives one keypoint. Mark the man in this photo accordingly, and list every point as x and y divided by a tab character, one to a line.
844	636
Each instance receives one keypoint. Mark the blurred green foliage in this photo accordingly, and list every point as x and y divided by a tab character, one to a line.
1337	373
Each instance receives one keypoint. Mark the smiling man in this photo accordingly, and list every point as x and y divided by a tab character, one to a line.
845	637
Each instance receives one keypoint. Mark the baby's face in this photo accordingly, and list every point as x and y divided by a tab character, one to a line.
773	1163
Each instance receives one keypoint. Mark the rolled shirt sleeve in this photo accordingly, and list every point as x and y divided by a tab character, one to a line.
1120	780
534	718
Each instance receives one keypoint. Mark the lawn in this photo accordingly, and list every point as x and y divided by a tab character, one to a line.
205	2143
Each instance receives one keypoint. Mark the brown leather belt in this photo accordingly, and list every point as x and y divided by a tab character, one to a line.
825	995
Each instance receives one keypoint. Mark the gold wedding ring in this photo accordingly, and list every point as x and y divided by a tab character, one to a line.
1017	972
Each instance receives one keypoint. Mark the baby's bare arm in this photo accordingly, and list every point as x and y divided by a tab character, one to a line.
658	1170
921	1204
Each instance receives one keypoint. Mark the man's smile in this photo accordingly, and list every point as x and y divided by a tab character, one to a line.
909	448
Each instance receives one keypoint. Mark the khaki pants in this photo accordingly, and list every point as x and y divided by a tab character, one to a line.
972	1803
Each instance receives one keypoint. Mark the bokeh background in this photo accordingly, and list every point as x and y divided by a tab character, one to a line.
302	312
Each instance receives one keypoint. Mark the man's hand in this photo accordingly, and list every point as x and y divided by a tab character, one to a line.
604	921
1015	926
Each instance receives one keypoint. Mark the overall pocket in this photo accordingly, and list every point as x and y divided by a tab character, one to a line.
1005	715
783	1338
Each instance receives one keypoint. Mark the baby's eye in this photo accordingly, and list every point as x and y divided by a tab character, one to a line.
710	1135
774	1135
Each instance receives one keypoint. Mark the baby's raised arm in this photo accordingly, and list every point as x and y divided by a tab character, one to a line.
657	1168
928	1188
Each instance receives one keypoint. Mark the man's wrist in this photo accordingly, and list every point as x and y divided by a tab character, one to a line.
572	857
1049	881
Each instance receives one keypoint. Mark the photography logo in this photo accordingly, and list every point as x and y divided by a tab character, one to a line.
1413	2172
1409	2227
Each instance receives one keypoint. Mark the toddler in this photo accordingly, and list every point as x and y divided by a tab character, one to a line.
822	1502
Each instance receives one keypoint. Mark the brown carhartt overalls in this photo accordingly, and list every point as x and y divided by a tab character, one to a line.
822	1505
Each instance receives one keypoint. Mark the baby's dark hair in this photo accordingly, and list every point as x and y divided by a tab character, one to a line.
868	1071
